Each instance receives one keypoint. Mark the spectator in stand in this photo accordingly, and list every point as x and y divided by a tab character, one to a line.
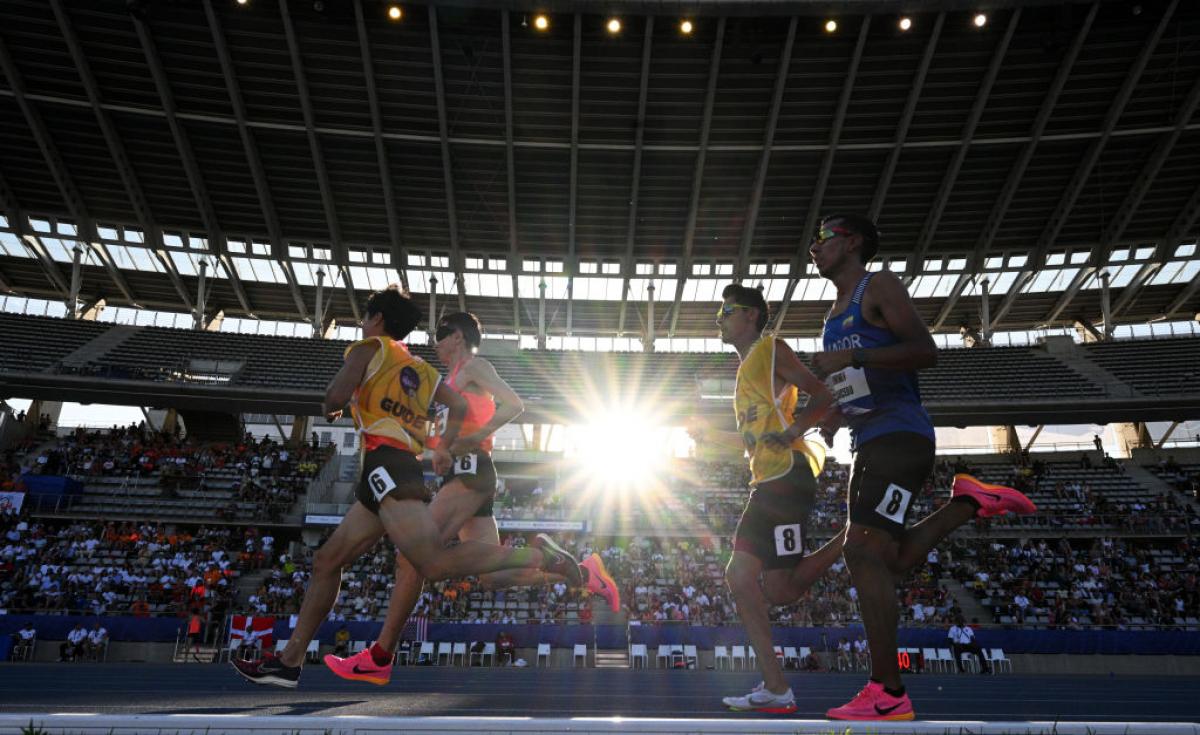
341	642
97	642
23	641
962	640
72	647
506	648
195	632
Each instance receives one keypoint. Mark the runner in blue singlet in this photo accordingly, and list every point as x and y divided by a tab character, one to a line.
874	343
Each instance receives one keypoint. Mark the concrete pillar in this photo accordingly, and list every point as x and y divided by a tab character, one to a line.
1132	435
170	421
300	428
76	280
1105	305
319	310
985	313
648	342
431	320
541	334
201	296
214	324
38	407
1004	439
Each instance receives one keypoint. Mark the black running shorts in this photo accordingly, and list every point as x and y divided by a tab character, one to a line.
478	473
773	525
889	471
388	471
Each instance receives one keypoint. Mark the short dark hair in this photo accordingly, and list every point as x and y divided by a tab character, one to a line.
861	226
749	297
400	314
467	323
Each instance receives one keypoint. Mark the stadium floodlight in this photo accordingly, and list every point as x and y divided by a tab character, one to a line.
980	20
830	26
541	22
613	25
395	13
686	27
905	23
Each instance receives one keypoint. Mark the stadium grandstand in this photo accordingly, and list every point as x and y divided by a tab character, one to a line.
197	198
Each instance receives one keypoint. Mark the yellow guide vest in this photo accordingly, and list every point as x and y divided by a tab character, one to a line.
391	404
761	408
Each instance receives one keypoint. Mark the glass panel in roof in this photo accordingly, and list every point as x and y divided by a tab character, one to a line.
1144	252
417	260
922	287
1187	272
814	289
1080	256
1166	273
1186	250
1056	259
11	245
1123	276
1002	282
1119	255
39	225
775	288
59	250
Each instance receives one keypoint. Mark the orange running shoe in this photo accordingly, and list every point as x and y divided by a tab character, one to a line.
993	500
873	703
600	582
359	667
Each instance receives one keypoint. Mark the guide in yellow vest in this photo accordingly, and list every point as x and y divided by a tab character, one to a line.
769	565
390	391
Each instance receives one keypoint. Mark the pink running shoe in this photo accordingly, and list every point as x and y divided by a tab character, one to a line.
873	703
600	582
359	667
993	500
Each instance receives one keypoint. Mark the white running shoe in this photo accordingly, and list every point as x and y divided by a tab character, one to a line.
761	700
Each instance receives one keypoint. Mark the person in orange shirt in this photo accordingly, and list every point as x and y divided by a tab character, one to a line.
391	393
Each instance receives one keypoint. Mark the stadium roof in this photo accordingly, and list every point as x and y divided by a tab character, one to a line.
280	138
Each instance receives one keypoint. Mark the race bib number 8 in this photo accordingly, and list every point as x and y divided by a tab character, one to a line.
788	540
380	482
466	464
894	505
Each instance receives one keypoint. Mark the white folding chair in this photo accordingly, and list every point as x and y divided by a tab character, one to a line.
459	652
280	645
445	648
637	652
721	653
691	658
969	661
357	646
999	661
789	654
426	652
489	651
932	662
946	660
580	653
543	650
751	657
739	657
314	648
664	655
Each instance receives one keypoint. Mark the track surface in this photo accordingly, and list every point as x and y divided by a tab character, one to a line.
200	689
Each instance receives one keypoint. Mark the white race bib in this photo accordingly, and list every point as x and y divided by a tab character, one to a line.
466	464
788	540
439	420
894	505
380	482
850	386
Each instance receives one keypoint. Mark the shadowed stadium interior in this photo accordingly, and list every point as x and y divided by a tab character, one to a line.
197	199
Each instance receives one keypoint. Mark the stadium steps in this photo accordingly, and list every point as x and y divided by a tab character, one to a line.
1151	482
95	349
966	599
1113	386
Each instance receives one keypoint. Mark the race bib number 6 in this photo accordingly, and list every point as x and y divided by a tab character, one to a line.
380	482
467	464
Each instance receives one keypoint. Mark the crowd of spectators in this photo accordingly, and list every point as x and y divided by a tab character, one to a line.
1103	582
98	568
262	472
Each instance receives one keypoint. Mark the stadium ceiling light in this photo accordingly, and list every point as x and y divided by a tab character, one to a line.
686	27
980	20
614	25
830	26
395	13
905	23
541	22
242	2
